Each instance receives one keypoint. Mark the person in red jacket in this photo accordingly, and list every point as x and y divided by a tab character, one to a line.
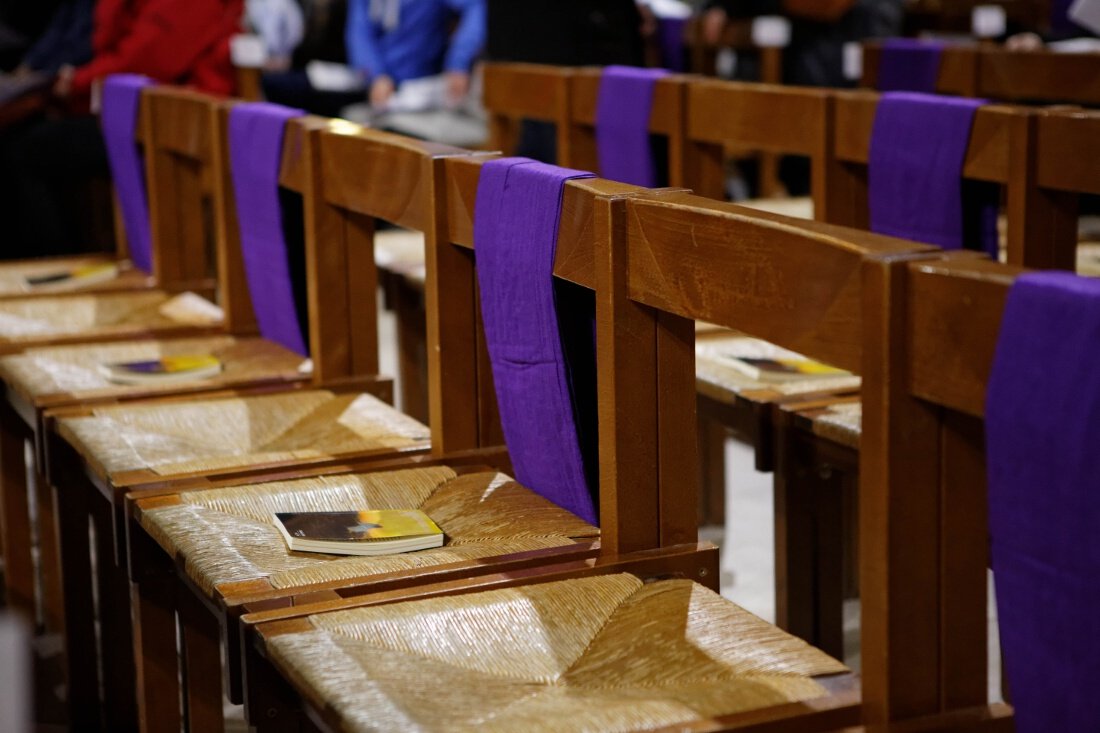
184	42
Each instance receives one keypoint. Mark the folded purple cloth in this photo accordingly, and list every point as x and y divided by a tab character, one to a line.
670	35
909	65
256	133
918	149
1042	414
517	213
623	109
121	104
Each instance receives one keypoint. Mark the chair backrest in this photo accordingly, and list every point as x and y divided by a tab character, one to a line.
354	176
1011	76
774	119
177	137
954	16
516	92
1004	149
667	120
923	476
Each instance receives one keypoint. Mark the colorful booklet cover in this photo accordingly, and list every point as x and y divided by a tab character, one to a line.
371	532
784	369
165	369
78	277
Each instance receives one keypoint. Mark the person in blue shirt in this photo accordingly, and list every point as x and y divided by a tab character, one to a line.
394	41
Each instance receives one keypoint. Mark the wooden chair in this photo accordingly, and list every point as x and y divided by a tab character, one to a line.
533	531
954	16
1011	76
821	438
178	185
331	421
174	133
647	288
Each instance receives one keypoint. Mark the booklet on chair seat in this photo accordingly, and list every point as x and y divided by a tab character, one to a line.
784	369
77	277
165	369
373	532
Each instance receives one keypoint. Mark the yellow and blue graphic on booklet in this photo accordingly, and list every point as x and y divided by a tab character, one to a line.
368	532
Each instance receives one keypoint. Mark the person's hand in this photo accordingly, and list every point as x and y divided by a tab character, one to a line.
714	25
63	85
381	89
1024	42
458	86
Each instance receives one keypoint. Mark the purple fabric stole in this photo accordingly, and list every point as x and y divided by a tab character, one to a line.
622	124
670	35
909	65
256	133
516	221
121	103
1042	415
918	148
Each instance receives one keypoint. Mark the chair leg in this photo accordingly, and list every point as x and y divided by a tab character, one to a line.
712	468
809	543
80	633
202	664
49	557
15	517
155	651
271	704
411	354
116	625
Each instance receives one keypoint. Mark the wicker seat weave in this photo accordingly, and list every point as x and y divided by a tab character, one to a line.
607	653
106	315
183	437
841	423
14	275
713	354
77	369
228	535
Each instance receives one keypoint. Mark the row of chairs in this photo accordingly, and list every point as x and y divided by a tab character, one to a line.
398	201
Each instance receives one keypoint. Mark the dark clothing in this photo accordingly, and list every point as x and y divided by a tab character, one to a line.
565	32
816	54
292	89
324	39
46	167
67	41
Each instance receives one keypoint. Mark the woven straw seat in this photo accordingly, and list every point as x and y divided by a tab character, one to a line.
801	207
26	319
13	275
77	369
841	423
713	354
228	535
185	437
607	653
401	252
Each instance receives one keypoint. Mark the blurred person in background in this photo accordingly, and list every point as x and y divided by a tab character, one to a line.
394	49
21	22
48	160
65	42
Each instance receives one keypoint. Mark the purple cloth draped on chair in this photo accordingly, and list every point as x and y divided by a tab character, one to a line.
918	148
670	34
256	132
121	103
517	213
1042	416
909	65
622	124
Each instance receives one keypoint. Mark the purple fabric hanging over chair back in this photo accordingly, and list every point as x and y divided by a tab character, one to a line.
1042	415
121	104
918	148
256	132
670	34
517	213
622	124
909	65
